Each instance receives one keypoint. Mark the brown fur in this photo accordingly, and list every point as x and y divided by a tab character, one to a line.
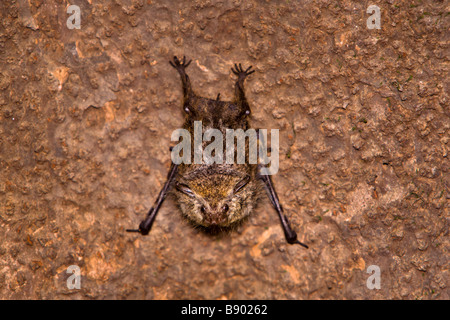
207	194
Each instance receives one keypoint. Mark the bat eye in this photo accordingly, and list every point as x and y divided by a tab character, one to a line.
241	184
203	209
185	189
225	208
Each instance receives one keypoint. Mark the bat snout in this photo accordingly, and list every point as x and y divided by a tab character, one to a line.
216	216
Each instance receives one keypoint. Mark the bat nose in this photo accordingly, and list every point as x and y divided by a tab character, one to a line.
215	217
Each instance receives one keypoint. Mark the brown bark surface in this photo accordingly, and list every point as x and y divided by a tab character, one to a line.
86	117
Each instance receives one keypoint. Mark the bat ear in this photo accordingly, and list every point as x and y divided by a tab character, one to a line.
241	184
184	189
